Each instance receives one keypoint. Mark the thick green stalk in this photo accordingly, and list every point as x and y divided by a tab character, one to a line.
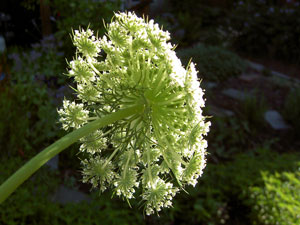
40	159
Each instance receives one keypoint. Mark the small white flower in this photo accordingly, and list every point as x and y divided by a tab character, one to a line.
73	115
93	143
86	43
98	171
158	195
81	71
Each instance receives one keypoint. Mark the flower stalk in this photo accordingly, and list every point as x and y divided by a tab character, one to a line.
12	183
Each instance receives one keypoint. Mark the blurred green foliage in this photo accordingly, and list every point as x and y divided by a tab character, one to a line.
252	110
228	136
26	205
24	128
29	99
199	20
291	110
278	200
213	63
267	28
222	195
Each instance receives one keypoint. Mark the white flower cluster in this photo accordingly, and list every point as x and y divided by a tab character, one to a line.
86	43
98	171
73	115
93	143
158	195
81	72
140	67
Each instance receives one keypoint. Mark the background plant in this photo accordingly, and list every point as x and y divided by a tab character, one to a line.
252	110
199	20
213	63
277	201
29	97
266	28
229	135
9	108
291	110
226	188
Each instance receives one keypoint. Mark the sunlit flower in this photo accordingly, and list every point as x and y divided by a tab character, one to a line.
140	67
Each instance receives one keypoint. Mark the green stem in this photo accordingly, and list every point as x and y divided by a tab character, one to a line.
40	159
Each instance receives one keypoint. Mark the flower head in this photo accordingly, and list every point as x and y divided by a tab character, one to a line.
139	67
